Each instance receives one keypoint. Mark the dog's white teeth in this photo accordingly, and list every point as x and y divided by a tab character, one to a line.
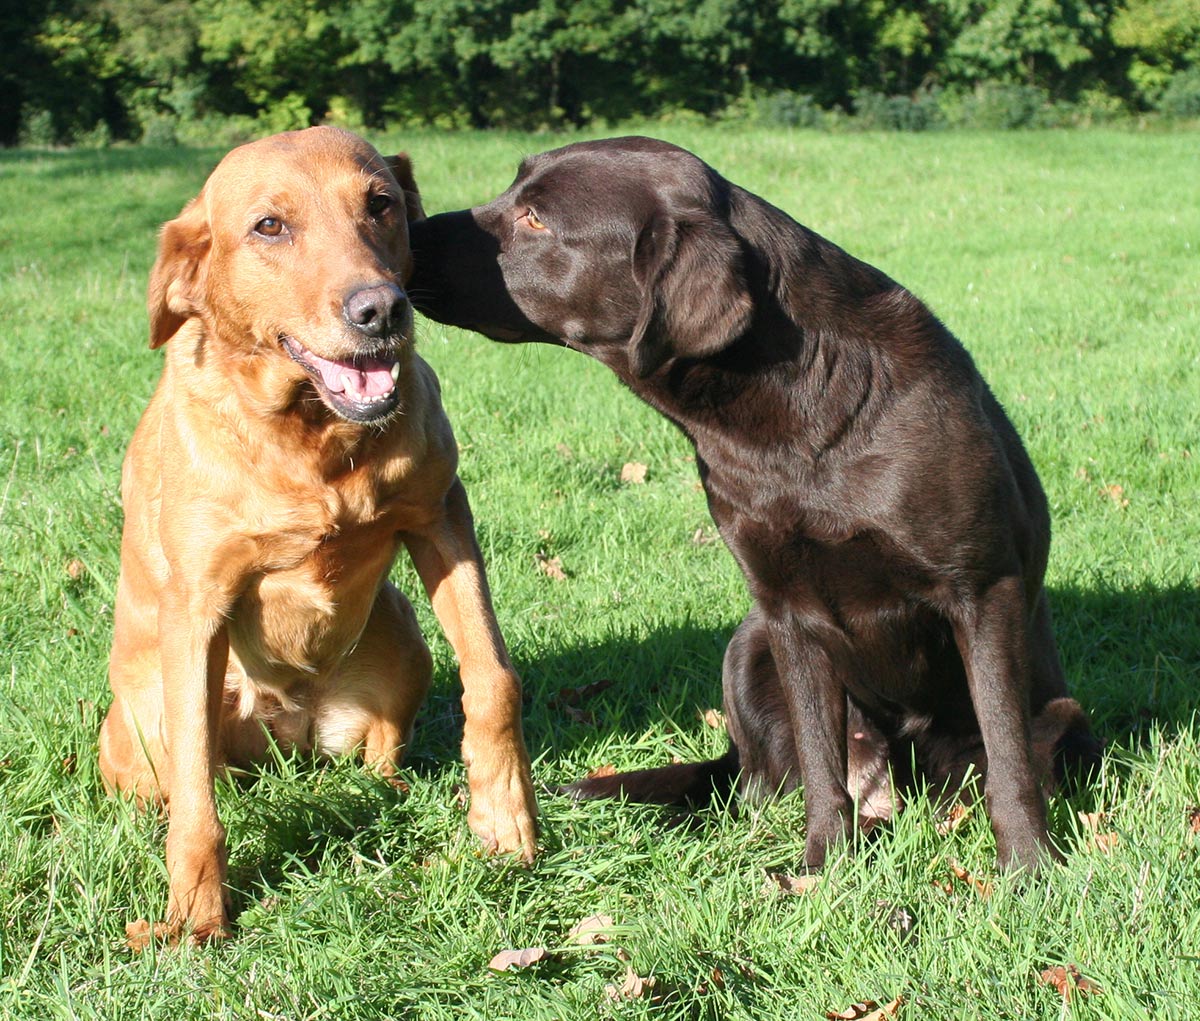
395	372
347	383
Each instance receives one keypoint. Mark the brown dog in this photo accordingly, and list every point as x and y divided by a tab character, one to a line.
890	526
295	441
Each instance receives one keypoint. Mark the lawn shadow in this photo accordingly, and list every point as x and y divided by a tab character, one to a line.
1132	657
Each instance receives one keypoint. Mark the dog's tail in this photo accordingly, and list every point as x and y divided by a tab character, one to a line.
685	784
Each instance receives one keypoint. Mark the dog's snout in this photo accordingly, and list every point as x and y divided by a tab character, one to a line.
377	310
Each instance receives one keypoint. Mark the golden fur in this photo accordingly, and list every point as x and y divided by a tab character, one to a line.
261	521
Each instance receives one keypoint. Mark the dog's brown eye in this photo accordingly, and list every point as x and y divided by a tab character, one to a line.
269	227
531	219
377	205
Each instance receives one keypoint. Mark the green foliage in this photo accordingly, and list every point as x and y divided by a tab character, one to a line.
544	63
997	106
1181	97
918	112
788	110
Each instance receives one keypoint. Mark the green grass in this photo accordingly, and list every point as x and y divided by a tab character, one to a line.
1069	263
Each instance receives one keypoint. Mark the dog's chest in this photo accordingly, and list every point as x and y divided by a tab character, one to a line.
303	613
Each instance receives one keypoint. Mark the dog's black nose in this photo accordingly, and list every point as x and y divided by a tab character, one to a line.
376	310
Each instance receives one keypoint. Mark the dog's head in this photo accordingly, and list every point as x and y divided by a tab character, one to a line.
294	256
621	247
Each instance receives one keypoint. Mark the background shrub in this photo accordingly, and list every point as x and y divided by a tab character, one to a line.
1181	98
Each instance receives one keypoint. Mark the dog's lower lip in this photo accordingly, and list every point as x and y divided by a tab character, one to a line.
361	388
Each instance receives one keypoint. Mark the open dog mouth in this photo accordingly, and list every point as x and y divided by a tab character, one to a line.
360	389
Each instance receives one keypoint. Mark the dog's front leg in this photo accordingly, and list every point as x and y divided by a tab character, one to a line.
195	651
816	701
992	636
503	812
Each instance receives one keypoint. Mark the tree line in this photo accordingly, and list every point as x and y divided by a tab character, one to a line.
98	70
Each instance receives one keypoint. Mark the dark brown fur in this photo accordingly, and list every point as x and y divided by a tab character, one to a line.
890	526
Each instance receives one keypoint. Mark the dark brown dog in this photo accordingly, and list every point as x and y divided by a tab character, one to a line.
890	526
294	443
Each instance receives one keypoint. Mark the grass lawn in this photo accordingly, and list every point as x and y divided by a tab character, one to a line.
1068	263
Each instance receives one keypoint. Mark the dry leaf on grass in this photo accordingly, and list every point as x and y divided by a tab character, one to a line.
637	987
713	718
507	959
633	472
1105	843
1068	980
957	815
590	931
980	886
867	1010
778	882
577	696
551	567
1117	495
75	569
1102	840
608	769
1194	821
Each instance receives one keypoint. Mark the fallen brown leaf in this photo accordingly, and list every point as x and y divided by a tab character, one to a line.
713	718
635	987
779	882
1116	493
591	930
576	696
867	1010
633	473
608	769
980	886
75	569
957	815
1068	980
551	567
1194	820
1105	843
577	715
1102	840
507	959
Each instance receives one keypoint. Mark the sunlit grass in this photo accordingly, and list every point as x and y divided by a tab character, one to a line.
1067	263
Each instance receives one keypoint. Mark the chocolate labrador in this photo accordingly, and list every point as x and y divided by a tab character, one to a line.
889	523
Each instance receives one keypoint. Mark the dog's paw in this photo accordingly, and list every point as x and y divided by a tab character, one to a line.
140	934
503	812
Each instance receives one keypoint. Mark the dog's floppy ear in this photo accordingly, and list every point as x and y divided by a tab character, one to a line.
401	166
176	282
695	300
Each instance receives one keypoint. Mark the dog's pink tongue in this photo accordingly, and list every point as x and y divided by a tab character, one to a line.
363	380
